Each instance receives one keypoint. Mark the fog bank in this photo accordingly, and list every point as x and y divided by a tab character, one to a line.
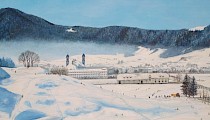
58	50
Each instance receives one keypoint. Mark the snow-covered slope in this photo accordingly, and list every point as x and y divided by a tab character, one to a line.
198	28
3	74
7	102
146	55
64	97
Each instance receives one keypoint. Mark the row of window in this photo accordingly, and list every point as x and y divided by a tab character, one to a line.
138	81
149	77
87	75
160	81
90	77
89	72
127	77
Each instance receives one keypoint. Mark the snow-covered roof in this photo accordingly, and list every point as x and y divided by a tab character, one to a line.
71	67
153	75
71	30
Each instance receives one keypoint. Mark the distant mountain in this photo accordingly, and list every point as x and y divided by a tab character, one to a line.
17	25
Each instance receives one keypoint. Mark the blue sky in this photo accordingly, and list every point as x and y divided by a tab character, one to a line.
148	14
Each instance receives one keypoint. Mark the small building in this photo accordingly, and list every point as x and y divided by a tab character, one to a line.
89	73
154	78
127	79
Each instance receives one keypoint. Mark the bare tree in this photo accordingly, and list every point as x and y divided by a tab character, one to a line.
178	77
28	58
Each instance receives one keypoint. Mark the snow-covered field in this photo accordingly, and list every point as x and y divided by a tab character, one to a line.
53	97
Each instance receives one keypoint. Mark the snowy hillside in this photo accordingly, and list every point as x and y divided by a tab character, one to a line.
152	57
198	28
8	100
3	74
64	97
53	97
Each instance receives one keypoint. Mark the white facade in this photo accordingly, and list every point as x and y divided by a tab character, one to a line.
89	73
143	79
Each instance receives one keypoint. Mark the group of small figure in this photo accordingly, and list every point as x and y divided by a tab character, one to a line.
12	70
160	96
82	83
117	114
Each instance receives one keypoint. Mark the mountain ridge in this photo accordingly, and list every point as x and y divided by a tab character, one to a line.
17	25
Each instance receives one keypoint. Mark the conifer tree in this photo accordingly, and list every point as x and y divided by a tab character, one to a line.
185	85
6	62
192	87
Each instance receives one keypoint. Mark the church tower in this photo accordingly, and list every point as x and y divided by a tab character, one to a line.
83	59
67	60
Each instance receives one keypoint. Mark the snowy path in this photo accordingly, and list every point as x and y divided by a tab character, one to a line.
25	94
57	105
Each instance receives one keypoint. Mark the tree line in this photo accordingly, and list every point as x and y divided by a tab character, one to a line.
6	62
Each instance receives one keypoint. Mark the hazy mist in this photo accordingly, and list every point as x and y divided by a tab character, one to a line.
58	50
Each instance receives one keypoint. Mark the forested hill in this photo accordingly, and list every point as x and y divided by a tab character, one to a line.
17	25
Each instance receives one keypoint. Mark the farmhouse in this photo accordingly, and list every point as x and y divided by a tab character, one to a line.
154	78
